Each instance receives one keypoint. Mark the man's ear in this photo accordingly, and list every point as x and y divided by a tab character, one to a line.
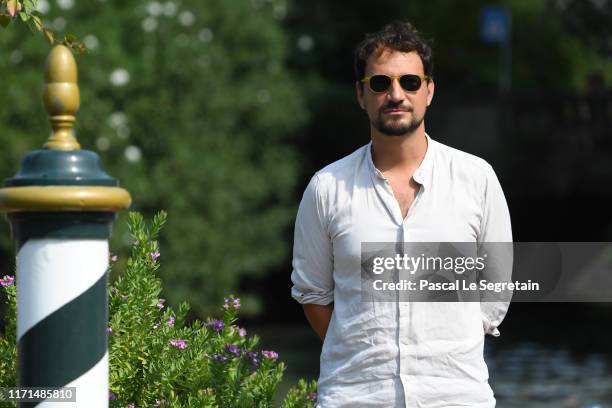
431	87
359	91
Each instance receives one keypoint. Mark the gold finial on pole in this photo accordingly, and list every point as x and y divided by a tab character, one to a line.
61	98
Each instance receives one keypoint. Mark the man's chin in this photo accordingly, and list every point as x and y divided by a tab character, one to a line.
396	129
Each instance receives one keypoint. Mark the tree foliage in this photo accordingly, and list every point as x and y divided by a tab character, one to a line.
553	42
190	106
26	11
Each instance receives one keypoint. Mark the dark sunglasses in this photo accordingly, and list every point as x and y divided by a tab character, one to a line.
382	83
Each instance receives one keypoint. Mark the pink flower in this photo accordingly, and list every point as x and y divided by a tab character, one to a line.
216	324
109	329
219	357
242	332
155	255
114	258
231	303
233	349
170	321
181	344
160	303
156	326
252	355
11	7
7	280
272	355
130	405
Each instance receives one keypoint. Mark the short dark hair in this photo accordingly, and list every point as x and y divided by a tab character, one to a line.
397	36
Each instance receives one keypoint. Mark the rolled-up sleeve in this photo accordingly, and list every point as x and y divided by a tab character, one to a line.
312	274
495	230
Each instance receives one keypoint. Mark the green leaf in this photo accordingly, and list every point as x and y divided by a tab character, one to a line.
28	6
37	22
49	35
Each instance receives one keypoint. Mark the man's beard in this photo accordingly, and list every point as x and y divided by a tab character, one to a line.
396	126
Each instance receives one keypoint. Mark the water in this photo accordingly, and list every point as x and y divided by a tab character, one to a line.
528	374
523	374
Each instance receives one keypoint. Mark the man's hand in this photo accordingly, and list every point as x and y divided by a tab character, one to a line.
319	316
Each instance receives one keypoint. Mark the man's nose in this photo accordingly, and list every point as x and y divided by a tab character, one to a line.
396	92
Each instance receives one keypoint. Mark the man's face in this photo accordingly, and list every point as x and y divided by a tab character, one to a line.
395	112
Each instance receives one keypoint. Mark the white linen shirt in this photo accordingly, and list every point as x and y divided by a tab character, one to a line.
397	354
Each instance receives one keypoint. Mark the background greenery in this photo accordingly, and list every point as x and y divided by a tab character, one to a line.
191	106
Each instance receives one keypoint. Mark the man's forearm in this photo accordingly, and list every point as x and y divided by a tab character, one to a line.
319	316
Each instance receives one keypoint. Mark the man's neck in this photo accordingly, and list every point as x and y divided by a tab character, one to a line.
391	153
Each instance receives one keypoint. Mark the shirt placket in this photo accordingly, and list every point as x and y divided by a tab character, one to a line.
405	309
385	193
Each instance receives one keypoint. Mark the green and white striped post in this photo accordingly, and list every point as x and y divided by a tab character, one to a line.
61	206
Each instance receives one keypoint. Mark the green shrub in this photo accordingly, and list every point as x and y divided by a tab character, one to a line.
156	359
8	345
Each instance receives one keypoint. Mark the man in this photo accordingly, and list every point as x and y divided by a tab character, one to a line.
403	186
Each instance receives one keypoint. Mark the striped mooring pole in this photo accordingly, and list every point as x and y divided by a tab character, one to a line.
61	206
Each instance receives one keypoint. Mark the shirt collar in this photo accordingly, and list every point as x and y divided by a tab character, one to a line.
422	174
